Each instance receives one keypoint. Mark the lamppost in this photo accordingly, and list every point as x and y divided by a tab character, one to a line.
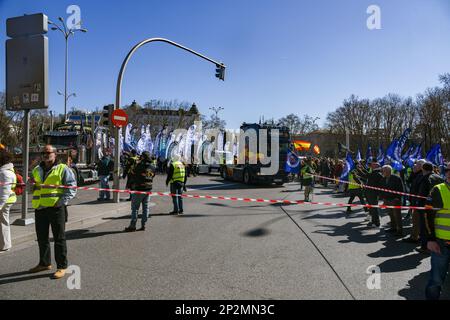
67	33
67	99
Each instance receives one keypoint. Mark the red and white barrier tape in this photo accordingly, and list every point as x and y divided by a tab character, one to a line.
296	202
370	187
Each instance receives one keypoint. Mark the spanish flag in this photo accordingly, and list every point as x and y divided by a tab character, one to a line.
316	149
301	145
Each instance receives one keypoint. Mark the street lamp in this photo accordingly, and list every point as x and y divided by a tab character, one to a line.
216	111
67	33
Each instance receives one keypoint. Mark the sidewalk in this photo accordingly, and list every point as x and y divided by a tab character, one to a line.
80	216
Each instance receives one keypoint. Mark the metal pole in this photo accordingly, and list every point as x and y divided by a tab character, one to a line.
347	139
26	157
116	196
94	149
65	81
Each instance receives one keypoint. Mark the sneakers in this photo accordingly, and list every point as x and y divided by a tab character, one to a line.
130	229
141	228
60	273
180	212
173	212
40	268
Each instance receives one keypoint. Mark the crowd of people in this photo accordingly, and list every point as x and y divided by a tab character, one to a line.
424	185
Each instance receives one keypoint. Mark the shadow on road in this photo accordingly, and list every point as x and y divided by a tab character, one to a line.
85	234
258	232
403	263
15	277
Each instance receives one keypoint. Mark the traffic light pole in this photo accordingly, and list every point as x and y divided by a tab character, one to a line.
117	151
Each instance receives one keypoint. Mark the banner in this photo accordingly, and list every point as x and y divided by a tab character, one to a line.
292	163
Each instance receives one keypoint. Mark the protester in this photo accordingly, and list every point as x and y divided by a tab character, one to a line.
394	183
428	181
355	189
130	162
177	178
374	180
414	180
7	198
105	169
307	179
50	204
438	224
142	180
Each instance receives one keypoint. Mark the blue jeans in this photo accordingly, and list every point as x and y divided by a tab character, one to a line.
438	273
136	200
104	184
177	188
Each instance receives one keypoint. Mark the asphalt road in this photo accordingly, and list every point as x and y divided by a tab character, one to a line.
228	250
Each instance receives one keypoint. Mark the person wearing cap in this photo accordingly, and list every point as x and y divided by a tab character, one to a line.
176	177
438	225
142	180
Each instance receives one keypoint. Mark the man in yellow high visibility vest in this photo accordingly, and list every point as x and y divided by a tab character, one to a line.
50	204
177	177
355	190
8	197
438	225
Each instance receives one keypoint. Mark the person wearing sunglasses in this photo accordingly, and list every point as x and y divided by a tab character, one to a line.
50	203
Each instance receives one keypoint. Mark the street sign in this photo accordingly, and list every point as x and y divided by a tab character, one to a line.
119	118
27	25
27	63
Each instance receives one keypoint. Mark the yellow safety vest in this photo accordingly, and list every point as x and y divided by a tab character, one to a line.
351	185
305	174
442	219
12	197
178	172
47	196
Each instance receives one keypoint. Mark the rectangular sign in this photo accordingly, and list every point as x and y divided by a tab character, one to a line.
27	25
27	73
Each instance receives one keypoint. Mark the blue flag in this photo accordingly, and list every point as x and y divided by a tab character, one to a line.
408	153
292	163
358	156
435	155
369	155
380	156
401	144
392	154
348	167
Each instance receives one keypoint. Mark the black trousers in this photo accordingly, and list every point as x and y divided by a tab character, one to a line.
373	200
56	219
356	193
177	188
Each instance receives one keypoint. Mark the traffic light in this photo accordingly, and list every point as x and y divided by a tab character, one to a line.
220	71
105	120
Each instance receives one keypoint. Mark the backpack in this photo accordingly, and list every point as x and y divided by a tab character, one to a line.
20	186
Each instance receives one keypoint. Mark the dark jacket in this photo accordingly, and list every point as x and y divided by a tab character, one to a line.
142	176
427	183
105	166
393	183
415	180
374	179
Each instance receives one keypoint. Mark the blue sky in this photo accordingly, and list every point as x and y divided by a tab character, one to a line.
284	56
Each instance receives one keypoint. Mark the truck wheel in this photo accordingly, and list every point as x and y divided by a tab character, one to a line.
247	177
